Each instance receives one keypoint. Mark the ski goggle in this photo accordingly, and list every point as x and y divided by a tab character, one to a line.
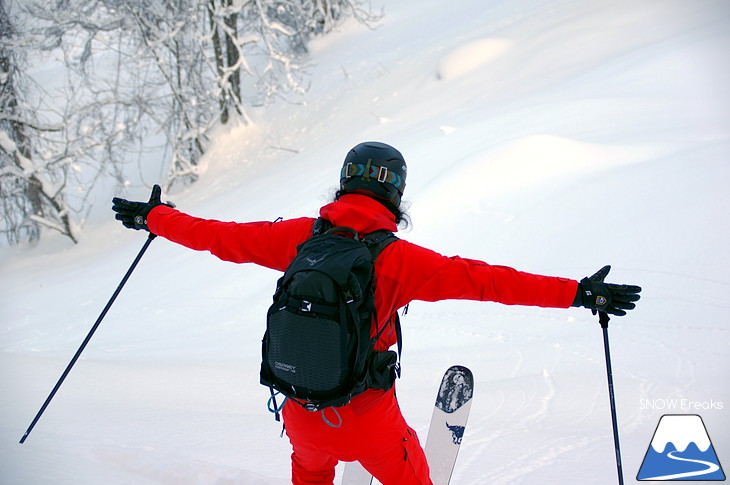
368	171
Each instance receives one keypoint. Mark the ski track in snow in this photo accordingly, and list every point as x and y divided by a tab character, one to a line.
533	460
145	465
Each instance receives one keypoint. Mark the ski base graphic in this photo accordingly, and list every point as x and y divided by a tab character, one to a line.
448	422
446	431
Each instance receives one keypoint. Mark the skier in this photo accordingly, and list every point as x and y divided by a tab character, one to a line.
373	177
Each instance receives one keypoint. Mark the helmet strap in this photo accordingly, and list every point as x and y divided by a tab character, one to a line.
366	174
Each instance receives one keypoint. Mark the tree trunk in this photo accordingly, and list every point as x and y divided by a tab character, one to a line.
232	57
219	63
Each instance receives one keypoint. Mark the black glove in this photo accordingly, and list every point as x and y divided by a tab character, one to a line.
134	214
615	299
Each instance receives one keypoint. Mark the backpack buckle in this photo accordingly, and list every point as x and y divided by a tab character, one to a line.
306	306
396	368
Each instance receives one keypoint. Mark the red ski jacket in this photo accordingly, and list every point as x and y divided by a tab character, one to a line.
404	272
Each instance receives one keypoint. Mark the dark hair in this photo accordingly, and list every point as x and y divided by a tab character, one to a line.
402	218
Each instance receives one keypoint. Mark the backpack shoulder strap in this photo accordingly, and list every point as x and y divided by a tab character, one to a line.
321	225
375	241
378	240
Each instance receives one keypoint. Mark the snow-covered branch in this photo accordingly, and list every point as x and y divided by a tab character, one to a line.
139	76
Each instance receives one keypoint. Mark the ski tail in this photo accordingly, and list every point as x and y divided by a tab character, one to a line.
448	423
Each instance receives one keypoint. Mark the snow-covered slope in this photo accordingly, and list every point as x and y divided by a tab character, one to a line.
551	136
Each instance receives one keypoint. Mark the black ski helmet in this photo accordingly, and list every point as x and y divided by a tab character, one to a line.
375	169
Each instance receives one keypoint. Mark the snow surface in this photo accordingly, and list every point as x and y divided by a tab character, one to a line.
551	136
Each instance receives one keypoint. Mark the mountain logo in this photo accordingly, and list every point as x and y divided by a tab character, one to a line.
681	450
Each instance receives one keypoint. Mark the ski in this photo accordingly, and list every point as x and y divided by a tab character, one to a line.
355	474
448	422
445	433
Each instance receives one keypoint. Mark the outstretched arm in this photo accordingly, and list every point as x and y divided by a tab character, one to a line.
426	275
429	276
268	244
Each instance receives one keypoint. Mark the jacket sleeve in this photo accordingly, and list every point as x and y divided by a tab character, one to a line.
268	244
426	275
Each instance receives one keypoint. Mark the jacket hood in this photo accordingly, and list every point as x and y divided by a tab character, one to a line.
360	212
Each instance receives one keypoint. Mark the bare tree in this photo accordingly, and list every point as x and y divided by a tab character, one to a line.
167	36
224	33
140	75
31	192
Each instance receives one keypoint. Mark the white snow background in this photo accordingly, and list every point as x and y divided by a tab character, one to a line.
551	136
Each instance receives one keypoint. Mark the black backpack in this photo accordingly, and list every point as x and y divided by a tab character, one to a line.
317	349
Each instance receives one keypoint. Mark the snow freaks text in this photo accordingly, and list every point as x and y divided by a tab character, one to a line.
680	404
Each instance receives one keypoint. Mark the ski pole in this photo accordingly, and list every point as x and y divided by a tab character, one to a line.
603	319
88	337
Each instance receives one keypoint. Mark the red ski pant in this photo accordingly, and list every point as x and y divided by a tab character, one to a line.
379	439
